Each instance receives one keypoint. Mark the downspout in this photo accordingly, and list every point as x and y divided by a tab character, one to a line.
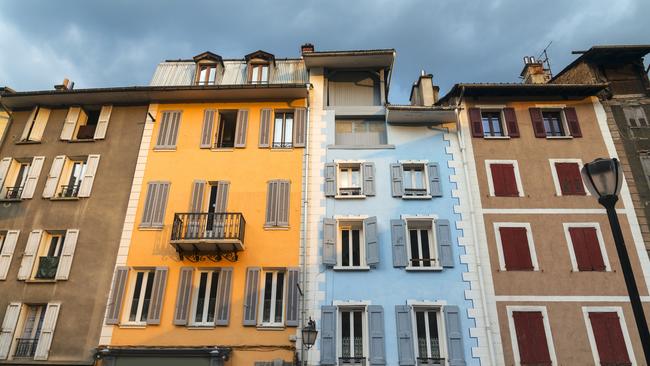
303	241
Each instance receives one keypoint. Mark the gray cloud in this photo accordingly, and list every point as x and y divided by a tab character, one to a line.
117	43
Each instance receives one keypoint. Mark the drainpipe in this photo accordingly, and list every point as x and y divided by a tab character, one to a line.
303	241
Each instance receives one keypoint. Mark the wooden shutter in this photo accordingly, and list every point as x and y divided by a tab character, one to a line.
405	350
168	131
368	179
504	180
155	204
47	331
271	204
40	123
116	295
330	179
67	253
572	120
8	327
511	122
32	177
329	241
223	296
531	338
476	122
398	238
435	184
397	185
102	122
86	185
516	252
587	249
157	295
283	203
376	335
5	164
7	253
242	128
455	349
328	335
207	128
291	310
223	188
445	248
250	296
52	182
70	123
609	338
27	263
198	195
265	127
569	178
181	312
372	240
299	127
538	122
28	124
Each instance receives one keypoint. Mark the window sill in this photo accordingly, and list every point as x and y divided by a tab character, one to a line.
11	200
64	199
496	137
276	228
201	327
344	268
270	327
425	269
281	149
222	149
27	142
360	196
559	137
360	147
150	228
80	140
38	280
164	149
133	325
427	197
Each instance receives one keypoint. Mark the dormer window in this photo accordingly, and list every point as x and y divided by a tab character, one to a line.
259	65
207	75
259	74
207	68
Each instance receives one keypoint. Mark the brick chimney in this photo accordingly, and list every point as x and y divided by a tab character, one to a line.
534	71
423	92
306	48
65	85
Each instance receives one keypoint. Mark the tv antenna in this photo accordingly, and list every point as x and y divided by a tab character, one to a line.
543	57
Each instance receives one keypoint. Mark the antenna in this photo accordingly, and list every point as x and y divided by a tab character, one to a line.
545	59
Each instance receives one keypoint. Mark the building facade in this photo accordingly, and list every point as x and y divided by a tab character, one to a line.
207	272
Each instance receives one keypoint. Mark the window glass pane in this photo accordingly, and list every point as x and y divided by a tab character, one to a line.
200	300
265	74
418	178
255	74
345	333
421	333
358	334
288	128
356	248
279	296
268	288
277	129
147	296
355	177
202	75
345	247
136	296
426	252
415	251
360	132
213	74
212	300
433	334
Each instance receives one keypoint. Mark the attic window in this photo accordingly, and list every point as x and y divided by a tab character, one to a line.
207	75
258	73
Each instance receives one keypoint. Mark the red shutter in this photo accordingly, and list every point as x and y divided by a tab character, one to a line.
511	122
569	178
572	120
516	252
476	122
531	338
593	248
609	339
503	180
538	122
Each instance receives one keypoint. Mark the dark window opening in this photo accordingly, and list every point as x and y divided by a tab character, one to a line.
492	124
226	130
87	131
553	124
207	75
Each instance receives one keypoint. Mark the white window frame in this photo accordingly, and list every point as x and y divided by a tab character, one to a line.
195	297
339	243
504	127
133	275
601	243
556	179
283	130
43	248
531	244
438	307
488	172
432	237
547	330
350	306
425	171
273	310
339	164
590	331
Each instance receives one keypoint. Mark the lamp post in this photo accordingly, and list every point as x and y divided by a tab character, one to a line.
309	334
604	178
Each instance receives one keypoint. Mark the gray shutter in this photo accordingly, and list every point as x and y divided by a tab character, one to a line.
198	194
283	203
377	336
117	293
328	335
299	127
152	188
250	296
405	351
67	253
265	127
183	295
435	185
223	296
155	204
292	297
47	331
330	179
8	328
157	295
163	130
372	240
271	204
455	350
329	241
396	184
242	128
207	128
398	239
223	187
369	179
168	132
443	236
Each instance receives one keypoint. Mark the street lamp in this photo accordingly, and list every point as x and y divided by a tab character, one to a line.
309	334
604	178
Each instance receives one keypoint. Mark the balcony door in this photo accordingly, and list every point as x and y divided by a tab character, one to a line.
217	202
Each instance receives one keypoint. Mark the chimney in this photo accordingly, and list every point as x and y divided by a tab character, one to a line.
534	72
423	92
66	85
306	48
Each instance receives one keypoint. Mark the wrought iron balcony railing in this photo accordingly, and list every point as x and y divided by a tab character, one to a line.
352	361
71	190
350	191
282	145
47	267
431	361
25	347
415	192
208	233
13	193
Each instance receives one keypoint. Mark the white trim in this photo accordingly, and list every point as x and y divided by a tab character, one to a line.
488	171
490	106
402	162
147	275
529	236
601	243
432	217
440	321
363	265
431	303
550	106
359	165
546	211
562	298
338	303
433	242
350	217
590	331
273	310
556	180
365	328
547	330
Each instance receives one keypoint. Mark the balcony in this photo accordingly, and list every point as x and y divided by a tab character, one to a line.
215	236
47	267
25	347
12	193
69	191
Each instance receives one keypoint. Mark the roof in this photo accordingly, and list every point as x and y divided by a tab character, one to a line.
559	91
410	115
608	54
379	58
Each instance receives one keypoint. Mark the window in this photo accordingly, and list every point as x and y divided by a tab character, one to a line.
363	132
205	298
636	117
75	173
71	177
141	288
644	157
30	331
35	125
155	204
530	332
503	178
277	203
422	250
428	327
18	177
207	75
168	131
608	336
81	124
15	189
515	247
353	336
283	130
567	178
349	179
586	247
350	243
353	88
352	251
8	241
273	294
258	73
555	123
48	255
492	124
225	137
415	180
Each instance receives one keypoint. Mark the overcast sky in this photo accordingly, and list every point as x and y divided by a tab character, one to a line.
119	42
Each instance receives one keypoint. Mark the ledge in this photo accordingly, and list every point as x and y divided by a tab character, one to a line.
352	269
360	147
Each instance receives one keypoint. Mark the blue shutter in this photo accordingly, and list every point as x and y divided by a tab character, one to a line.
455	350
377	335
435	184
405	351
368	179
396	183
329	241
330	180
398	239
328	335
372	241
443	236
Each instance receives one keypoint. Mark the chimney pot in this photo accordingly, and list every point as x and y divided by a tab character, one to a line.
306	48
65	85
534	71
